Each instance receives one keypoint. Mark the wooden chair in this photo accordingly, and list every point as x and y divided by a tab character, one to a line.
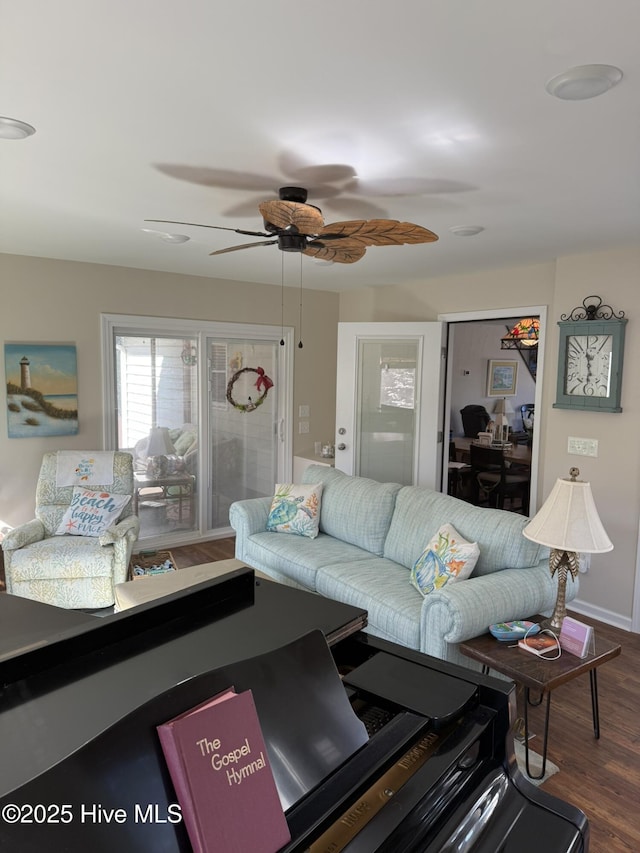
493	481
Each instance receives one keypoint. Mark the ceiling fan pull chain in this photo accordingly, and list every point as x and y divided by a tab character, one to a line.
282	299
300	322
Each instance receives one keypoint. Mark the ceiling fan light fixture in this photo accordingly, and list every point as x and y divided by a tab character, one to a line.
13	128
583	82
466	230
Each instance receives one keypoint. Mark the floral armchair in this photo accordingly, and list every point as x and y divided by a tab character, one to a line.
71	571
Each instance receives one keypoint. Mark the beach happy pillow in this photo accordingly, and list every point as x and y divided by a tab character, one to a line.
90	513
446	559
295	509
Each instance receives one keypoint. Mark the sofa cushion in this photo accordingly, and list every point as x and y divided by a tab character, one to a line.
381	587
419	512
297	557
447	558
295	509
354	509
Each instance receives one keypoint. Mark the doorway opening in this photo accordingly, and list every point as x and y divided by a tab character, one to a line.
495	389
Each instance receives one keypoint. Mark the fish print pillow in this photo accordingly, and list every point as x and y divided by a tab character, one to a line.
446	559
295	509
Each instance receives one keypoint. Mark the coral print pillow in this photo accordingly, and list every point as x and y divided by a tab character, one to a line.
295	509
90	513
446	559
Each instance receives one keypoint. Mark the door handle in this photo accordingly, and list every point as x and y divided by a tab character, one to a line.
342	446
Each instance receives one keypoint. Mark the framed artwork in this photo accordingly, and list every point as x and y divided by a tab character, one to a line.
502	378
590	360
42	389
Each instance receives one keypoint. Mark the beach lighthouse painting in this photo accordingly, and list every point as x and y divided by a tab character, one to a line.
42	389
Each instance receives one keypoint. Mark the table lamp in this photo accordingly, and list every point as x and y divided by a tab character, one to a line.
501	411
568	523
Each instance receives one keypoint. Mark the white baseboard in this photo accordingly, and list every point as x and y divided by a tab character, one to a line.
601	614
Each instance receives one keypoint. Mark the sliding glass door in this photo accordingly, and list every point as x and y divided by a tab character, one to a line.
202	408
243	422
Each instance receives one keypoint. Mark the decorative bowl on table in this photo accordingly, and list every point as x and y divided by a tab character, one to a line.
508	631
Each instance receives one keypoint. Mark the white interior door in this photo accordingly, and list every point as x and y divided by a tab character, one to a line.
388	401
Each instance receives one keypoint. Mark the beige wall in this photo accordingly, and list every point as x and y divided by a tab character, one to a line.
50	301
608	588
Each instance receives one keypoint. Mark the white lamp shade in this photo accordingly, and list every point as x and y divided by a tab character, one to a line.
503	407
569	521
160	443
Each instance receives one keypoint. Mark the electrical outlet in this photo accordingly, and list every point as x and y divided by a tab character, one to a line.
582	446
303	427
303	411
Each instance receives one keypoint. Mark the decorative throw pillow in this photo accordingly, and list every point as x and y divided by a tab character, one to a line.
446	559
295	509
90	513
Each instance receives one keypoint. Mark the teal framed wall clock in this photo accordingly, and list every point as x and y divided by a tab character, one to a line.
590	358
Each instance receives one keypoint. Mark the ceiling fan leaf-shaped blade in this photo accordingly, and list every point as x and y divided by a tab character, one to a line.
306	218
217	227
379	232
243	246
340	251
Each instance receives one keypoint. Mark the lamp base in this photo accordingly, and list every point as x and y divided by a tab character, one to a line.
561	562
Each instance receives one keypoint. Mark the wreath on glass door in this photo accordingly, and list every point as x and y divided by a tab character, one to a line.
263	383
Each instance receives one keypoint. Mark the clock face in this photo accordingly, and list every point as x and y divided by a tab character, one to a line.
588	365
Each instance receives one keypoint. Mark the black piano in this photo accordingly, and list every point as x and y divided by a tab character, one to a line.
373	747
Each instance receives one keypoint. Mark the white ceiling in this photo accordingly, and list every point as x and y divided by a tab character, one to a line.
438	106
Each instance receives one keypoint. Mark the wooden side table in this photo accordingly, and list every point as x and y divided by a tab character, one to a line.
183	484
540	676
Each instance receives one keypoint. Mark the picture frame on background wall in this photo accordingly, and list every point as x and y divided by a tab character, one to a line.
42	389
502	378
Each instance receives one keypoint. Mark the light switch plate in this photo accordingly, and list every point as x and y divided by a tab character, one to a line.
582	446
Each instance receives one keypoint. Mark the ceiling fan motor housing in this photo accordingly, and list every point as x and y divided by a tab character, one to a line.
298	194
292	242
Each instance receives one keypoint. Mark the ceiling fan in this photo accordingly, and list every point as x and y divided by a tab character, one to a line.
299	227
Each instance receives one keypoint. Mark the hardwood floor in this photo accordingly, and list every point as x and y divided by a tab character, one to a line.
602	777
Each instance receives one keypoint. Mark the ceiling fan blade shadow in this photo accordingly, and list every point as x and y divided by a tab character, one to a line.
244	246
222	178
295	166
389	187
358	208
246	208
217	227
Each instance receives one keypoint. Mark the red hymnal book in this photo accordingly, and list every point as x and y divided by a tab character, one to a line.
220	770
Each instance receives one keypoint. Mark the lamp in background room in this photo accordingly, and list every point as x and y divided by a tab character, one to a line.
523	335
568	523
501	411
160	446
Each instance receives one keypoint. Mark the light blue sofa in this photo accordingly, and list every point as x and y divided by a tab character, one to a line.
370	536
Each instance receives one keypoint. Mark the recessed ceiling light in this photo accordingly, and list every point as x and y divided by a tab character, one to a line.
13	128
466	230
584	81
168	238
174	238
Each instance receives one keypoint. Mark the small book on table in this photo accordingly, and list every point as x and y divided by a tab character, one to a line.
542	645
